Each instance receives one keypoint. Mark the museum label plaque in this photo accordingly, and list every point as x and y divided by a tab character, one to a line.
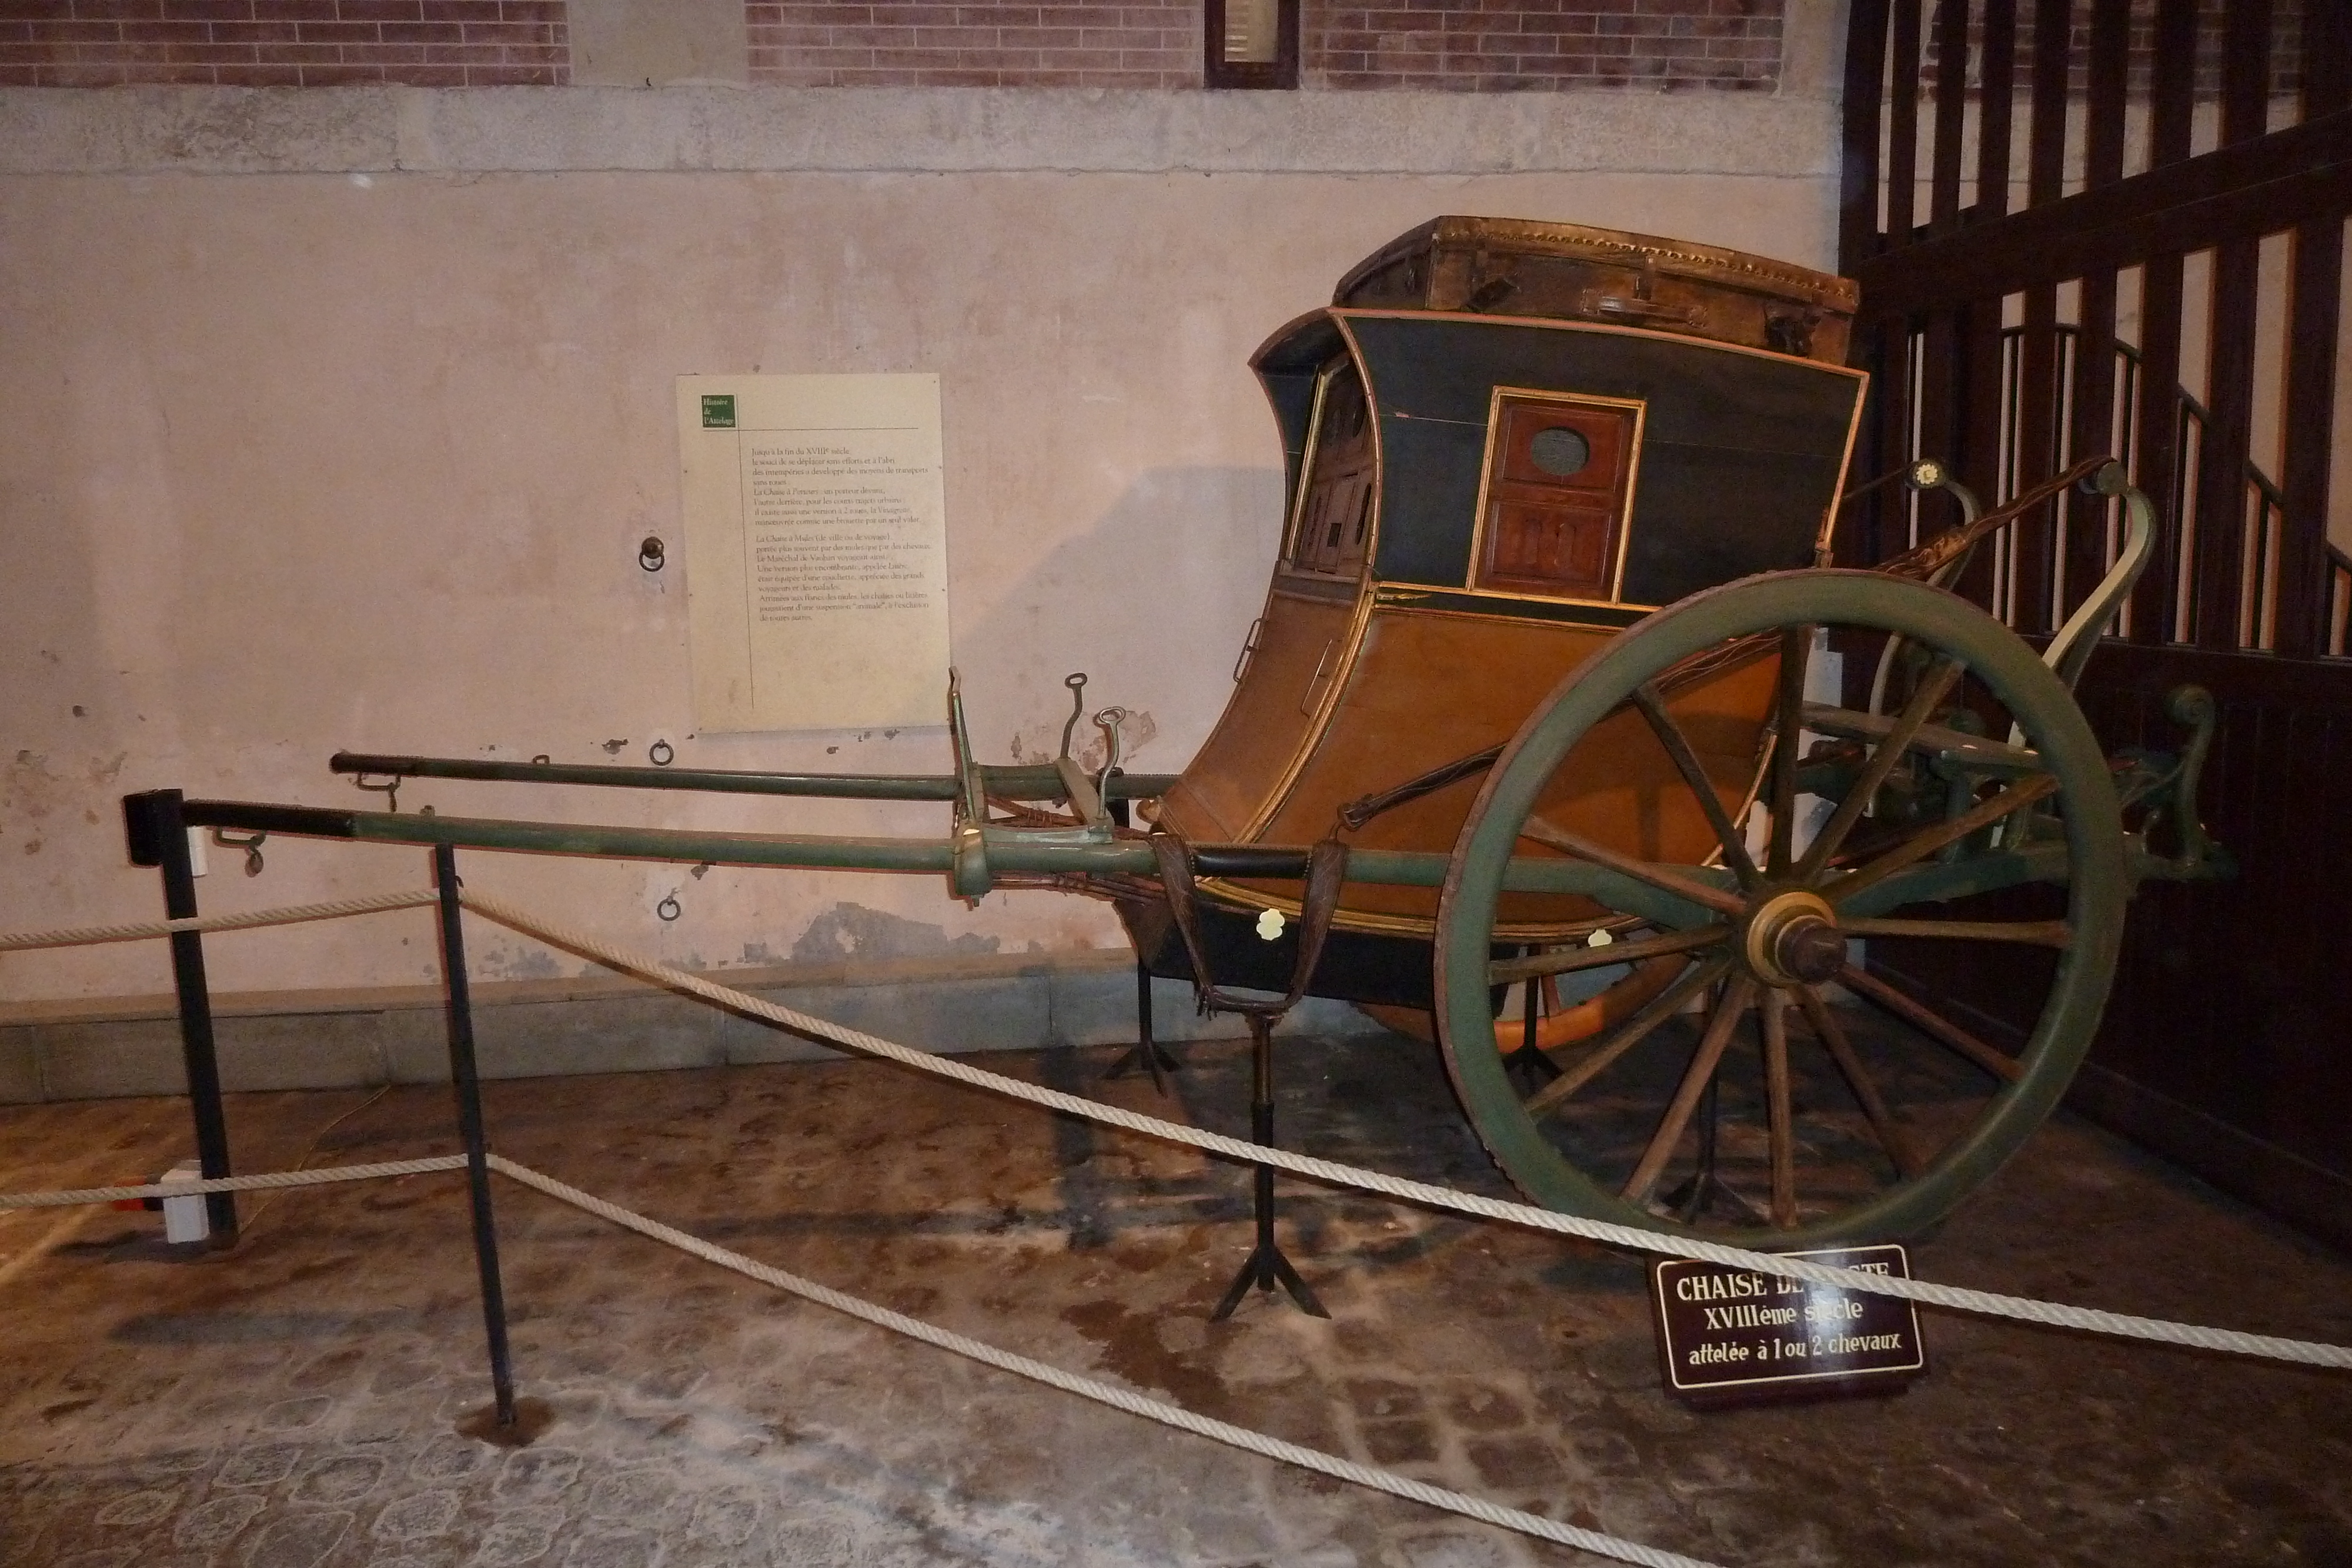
816	550
1733	1336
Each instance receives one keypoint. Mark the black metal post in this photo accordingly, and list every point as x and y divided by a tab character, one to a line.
1520	1065
1266	1267
1146	1050
1706	1190
158	836
468	1082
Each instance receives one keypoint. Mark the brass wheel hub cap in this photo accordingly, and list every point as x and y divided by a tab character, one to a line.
1792	939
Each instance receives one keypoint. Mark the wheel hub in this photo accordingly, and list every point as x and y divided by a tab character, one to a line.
1792	939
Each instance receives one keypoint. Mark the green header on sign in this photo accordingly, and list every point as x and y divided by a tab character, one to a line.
719	411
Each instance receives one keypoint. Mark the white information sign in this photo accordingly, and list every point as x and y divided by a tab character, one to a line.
815	550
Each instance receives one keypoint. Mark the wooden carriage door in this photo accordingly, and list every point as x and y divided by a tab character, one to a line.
2014	327
1552	509
1298	649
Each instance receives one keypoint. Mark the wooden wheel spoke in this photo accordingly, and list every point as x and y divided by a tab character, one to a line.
2039	933
1998	1062
1665	878
1653	703
1919	847
1832	1036
1593	1063
1751	920
1788	720
1568	960
1779	1112
1704	1062
1924	701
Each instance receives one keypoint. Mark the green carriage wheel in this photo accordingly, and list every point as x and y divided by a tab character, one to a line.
1836	1141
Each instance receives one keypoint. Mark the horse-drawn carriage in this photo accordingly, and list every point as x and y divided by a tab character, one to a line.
1554	649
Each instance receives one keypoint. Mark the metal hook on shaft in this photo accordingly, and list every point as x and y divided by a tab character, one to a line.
250	844
1108	721
390	790
1076	682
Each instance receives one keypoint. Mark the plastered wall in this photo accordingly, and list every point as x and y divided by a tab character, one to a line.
334	420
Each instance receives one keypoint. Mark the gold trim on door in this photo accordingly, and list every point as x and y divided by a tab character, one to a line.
1622	523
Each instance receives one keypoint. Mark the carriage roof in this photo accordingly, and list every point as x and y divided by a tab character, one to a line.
1691	378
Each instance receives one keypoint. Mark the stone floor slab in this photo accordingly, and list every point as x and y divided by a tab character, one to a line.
294	1401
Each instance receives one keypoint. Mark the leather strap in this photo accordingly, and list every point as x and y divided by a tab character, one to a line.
1326	870
1364	808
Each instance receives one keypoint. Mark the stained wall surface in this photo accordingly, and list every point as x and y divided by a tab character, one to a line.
334	419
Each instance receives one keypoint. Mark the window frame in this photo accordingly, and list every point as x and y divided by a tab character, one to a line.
1499	401
1279	73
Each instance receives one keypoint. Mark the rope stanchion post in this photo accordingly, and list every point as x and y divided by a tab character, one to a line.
158	836
465	1075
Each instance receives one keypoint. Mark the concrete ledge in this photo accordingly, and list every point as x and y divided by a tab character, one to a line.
106	1049
385	129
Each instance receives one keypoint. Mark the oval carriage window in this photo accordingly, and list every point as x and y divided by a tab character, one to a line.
1559	476
1560	451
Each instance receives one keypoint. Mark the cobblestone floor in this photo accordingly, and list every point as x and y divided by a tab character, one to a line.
294	1402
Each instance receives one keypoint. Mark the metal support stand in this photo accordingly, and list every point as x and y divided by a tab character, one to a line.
158	836
1147	1051
1705	1190
1266	1267
467	1081
1528	1067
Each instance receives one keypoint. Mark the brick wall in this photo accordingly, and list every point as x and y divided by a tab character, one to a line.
2286	47
818	43
1504	45
283	43
1456	45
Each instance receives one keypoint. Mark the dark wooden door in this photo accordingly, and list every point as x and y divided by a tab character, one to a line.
2040	283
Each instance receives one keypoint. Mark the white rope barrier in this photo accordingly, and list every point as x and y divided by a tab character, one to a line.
1071	1383
2057	1315
1118	1398
1987	1302
82	937
2025	1309
264	1180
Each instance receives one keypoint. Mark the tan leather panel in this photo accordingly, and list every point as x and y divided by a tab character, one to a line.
1426	688
1301	647
1619	787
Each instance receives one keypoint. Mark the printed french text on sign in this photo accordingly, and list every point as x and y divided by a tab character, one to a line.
1728	1335
816	550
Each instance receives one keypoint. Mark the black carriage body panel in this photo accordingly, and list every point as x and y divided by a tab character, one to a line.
1354	965
1288	365
1741	453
